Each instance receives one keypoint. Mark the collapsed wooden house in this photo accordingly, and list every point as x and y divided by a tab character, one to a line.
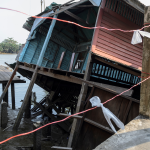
73	64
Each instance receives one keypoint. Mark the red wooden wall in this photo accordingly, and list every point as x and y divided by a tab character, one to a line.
116	45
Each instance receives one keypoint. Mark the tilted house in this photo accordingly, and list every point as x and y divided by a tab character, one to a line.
106	58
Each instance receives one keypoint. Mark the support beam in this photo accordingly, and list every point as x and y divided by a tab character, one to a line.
9	82
53	75
28	108
61	59
127	112
117	66
76	17
26	98
13	95
34	76
81	98
5	99
84	87
90	122
145	86
37	137
71	63
61	124
105	89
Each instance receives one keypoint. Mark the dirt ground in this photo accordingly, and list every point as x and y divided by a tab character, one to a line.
57	138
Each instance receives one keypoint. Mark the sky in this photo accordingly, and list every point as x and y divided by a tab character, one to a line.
11	22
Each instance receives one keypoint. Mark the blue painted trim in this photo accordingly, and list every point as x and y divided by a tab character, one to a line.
23	51
46	41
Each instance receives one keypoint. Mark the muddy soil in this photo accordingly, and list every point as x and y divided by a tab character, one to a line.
57	138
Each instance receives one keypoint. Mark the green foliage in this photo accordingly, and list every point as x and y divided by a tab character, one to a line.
9	45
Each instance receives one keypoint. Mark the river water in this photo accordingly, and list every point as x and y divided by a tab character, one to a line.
20	88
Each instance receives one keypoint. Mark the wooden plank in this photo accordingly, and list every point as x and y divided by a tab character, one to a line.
90	122
53	75
71	63
113	92
83	117
124	52
117	60
119	35
5	99
88	16
13	95
61	59
69	7
61	148
82	33
87	74
62	124
120	41
136	73
145	86
127	112
36	114
114	42
106	50
76	17
26	98
9	82
122	19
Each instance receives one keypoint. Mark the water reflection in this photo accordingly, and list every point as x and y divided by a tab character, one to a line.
20	88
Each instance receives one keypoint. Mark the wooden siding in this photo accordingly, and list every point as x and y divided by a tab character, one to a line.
90	136
116	45
53	53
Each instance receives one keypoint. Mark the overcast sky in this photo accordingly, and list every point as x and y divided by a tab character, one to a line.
11	22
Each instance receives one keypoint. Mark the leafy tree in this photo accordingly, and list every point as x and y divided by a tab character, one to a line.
9	45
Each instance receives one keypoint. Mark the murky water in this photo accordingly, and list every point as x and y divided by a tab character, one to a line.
20	88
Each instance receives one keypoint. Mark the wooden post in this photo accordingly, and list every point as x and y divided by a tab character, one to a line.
34	76
13	95
5	99
9	82
26	98
37	137
71	63
28	108
60	61
145	86
87	74
81	98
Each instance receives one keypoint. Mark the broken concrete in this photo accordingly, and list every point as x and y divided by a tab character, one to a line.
135	136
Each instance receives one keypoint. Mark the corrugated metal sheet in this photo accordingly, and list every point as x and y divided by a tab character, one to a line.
116	45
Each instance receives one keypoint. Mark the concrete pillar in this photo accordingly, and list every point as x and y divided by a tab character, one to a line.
36	137
4	115
145	86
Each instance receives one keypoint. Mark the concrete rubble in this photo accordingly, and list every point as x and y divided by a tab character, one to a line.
136	136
